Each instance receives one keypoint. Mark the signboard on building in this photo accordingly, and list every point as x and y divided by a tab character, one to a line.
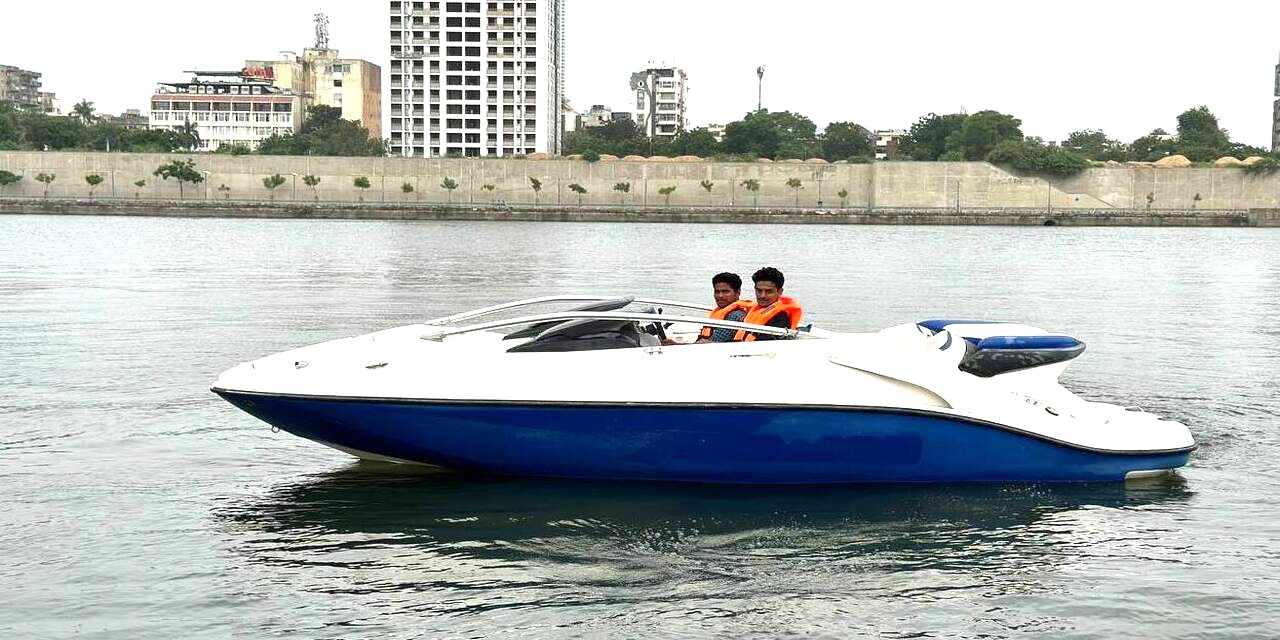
265	73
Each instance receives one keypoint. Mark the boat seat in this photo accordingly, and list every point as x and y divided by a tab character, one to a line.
613	304
1002	354
587	335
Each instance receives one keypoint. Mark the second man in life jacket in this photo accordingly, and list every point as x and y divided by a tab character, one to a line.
772	309
726	287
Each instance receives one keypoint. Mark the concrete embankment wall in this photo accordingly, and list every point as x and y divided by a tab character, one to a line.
886	185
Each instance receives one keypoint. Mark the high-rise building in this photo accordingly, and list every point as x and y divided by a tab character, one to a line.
227	107
476	78
1275	113
21	89
660	100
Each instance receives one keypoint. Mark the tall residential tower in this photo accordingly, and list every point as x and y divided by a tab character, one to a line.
476	78
1275	116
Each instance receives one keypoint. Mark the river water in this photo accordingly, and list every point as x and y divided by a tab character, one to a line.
136	504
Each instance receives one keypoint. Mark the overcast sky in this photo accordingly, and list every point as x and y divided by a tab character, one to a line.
1122	66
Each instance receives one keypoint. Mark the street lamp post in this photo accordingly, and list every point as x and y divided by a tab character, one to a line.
295	184
208	188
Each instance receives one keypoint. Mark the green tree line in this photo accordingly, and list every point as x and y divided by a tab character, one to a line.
84	131
761	134
997	137
324	133
983	136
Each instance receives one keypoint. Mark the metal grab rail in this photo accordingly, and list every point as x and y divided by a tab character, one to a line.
486	311
445	332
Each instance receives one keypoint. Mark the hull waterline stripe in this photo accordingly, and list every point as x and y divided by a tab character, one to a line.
695	405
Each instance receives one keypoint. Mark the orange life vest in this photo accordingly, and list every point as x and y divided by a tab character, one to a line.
762	315
722	312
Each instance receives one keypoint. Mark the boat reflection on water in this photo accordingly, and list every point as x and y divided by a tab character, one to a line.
444	520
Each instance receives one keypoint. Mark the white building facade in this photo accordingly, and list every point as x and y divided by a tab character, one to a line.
227	108
660	100
476	78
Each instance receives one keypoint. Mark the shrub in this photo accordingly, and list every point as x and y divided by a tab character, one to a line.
1034	157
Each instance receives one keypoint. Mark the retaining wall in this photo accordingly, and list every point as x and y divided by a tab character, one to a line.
943	185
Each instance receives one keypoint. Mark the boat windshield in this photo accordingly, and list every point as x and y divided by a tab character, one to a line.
588	323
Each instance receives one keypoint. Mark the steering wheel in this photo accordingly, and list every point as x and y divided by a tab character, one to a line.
656	328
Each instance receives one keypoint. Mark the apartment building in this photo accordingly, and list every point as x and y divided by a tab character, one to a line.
323	77
660	100
20	88
887	142
476	78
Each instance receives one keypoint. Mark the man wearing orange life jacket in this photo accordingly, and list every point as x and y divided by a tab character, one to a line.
726	287
772	309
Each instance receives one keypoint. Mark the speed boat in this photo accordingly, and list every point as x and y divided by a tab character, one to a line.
620	389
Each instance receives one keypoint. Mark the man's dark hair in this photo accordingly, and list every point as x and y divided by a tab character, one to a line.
730	279
769	274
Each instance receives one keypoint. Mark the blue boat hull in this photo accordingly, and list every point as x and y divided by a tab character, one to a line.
769	445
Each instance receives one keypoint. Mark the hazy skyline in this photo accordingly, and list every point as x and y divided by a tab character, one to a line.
1126	68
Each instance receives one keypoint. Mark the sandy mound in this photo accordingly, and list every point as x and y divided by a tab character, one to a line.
1252	160
538	156
816	161
764	160
1228	161
605	157
659	159
633	158
688	159
1173	162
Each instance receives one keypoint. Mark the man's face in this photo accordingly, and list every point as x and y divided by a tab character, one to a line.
725	295
767	293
